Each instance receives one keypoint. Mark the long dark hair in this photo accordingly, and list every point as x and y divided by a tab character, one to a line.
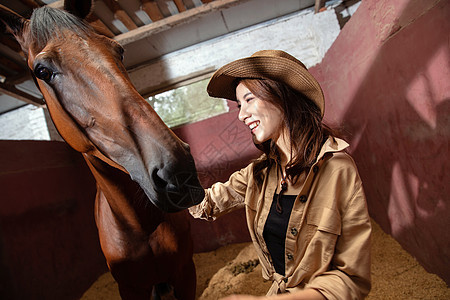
302	118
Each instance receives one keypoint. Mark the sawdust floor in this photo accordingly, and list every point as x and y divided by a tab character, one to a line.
234	269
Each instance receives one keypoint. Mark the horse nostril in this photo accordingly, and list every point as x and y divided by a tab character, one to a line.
178	191
158	181
170	185
188	188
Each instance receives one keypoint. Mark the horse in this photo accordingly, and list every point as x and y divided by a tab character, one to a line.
145	175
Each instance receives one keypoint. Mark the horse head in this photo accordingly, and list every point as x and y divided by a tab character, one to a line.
95	107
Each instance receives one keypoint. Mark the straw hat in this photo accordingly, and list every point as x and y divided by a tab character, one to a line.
266	64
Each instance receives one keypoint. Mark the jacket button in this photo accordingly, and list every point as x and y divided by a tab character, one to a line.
294	231
303	199
290	256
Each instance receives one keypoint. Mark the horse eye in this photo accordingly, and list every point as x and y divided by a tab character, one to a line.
43	73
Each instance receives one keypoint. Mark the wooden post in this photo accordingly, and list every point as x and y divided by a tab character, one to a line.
319	4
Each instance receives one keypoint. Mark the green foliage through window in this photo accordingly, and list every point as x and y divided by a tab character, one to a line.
187	104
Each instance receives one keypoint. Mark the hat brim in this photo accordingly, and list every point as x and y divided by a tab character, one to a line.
294	74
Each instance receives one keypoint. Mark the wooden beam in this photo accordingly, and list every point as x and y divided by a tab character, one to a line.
189	4
10	65
172	21
99	26
160	72
10	42
120	14
180	5
319	5
152	10
178	82
164	8
31	3
12	91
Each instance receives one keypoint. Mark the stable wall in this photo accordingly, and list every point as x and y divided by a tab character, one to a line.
220	146
386	79
49	247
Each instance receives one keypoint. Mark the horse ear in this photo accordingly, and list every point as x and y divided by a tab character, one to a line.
79	8
11	22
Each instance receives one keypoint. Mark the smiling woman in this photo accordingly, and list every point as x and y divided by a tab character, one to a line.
305	205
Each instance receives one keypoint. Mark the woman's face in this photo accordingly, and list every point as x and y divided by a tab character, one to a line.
264	119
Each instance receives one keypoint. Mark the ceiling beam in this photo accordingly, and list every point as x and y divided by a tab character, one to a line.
32	3
180	5
152	10
120	14
12	91
319	5
99	26
171	21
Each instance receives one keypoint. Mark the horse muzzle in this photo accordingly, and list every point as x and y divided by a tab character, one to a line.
180	192
169	191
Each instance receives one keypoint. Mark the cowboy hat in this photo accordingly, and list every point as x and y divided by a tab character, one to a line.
266	64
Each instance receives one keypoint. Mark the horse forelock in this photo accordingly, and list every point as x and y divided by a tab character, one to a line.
47	23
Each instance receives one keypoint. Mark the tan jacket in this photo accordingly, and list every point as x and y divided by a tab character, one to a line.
328	238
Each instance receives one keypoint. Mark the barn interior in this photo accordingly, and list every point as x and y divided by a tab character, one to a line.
384	68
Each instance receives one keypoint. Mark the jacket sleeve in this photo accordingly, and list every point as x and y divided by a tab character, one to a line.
222	198
349	274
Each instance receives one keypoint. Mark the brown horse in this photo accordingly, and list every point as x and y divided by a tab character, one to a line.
145	175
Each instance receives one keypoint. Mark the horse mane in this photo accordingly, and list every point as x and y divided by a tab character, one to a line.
47	22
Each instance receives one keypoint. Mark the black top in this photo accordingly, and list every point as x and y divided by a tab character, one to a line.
275	230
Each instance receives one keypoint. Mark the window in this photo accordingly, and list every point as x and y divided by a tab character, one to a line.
187	104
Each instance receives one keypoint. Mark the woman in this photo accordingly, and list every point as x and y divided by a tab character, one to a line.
304	202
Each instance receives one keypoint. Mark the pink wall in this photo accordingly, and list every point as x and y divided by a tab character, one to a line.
220	146
49	247
387	83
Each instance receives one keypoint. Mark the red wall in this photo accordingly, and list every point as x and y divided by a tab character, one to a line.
49	247
387	83
220	146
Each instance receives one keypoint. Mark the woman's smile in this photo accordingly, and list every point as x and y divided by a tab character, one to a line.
253	125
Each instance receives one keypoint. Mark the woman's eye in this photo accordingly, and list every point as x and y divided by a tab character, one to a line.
43	73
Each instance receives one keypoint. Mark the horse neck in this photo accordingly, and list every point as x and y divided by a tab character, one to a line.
126	200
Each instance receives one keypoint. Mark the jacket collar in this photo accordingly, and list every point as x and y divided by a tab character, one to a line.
332	144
